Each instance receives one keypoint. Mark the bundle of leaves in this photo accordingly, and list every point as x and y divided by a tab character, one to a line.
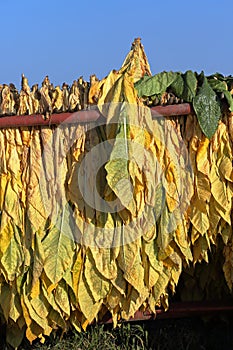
104	218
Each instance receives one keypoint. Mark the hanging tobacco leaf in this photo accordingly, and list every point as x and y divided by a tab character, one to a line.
177	86
190	86
157	84
207	109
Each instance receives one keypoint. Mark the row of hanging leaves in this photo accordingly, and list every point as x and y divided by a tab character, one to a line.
64	261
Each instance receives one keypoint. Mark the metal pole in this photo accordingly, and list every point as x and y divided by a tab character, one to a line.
84	116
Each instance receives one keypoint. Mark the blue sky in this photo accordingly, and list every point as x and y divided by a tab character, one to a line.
66	39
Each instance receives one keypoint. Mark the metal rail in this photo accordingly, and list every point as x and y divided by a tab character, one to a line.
181	310
83	116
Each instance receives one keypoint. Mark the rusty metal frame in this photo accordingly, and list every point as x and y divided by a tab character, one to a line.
83	116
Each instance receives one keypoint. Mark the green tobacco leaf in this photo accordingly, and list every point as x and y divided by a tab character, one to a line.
207	109
221	86
190	86
229	99
177	86
157	84
217	85
217	75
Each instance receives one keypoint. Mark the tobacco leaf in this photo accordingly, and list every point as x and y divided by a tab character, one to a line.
62	297
207	109
88	306
13	257
229	98
14	334
58	247
98	284
177	87
190	86
157	84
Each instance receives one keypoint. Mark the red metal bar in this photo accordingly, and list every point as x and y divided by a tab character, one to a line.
171	110
181	310
84	116
38	119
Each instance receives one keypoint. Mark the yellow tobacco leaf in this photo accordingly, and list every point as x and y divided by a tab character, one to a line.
203	186
99	286
118	86
33	330
6	233
79	142
3	185
62	298
119	282
12	258
182	240
105	261
136	61
175	275
162	283
200	249
226	168
35	290
25	135
36	193
58	248
55	316
3	154
153	277
94	91
202	160
199	216
119	102
12	206
151	250
226	232
76	270
131	264
35	317
114	298
150	233
39	257
137	177
172	198
164	253
167	224
39	307
218	188
131	304
214	215
88	306
68	278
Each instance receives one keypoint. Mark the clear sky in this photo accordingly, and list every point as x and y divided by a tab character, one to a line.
66	39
